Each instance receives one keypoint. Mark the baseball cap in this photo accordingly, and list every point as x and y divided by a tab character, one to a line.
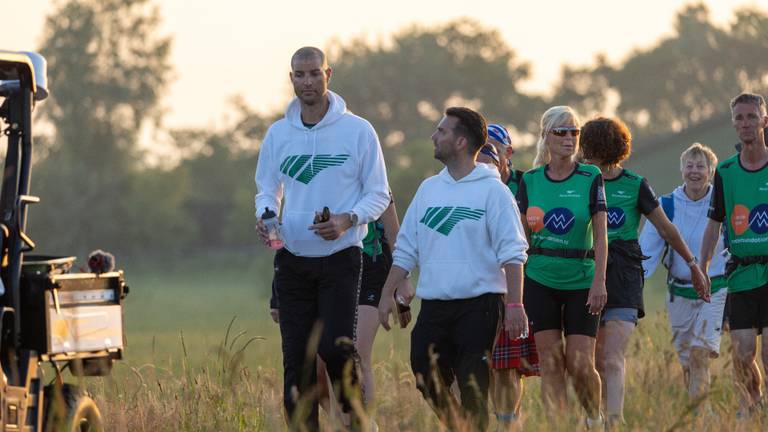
499	133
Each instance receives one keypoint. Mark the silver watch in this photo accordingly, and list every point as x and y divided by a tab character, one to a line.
353	218
694	261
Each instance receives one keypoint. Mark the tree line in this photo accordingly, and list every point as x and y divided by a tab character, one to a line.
110	64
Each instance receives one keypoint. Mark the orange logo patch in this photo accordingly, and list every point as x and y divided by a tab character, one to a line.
740	219
535	218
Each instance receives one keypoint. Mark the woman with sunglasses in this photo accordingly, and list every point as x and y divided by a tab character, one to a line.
563	208
607	143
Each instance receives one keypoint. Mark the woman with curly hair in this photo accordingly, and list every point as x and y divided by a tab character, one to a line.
607	143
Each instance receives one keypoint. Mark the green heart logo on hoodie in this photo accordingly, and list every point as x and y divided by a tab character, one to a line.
448	217
292	165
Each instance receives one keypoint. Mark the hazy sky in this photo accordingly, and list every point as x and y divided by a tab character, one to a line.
226	47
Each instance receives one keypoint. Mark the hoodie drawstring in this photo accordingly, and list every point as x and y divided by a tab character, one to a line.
314	150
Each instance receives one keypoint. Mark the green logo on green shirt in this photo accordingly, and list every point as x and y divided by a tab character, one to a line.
443	219
292	165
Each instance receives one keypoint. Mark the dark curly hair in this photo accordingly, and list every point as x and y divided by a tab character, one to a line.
606	141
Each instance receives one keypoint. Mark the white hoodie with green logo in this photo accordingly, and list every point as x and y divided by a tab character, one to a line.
337	164
460	234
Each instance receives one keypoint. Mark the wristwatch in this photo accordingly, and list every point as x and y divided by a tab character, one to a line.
352	218
693	261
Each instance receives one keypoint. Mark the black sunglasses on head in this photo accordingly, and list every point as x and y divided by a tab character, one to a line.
563	131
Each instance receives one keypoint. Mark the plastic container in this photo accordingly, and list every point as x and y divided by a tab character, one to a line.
274	239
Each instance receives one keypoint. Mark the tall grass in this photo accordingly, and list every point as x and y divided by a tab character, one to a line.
197	370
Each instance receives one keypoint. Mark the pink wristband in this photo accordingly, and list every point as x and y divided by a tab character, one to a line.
514	305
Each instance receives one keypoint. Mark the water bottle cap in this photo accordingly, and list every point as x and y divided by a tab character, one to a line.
268	214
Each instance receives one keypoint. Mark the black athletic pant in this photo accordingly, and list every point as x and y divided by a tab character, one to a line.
320	291
461	334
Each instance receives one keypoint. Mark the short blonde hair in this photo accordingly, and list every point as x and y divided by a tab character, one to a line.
552	118
700	150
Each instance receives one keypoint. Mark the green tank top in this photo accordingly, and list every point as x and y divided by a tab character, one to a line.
627	197
372	240
559	215
513	183
740	201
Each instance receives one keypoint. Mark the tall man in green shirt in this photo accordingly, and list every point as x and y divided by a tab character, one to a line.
740	199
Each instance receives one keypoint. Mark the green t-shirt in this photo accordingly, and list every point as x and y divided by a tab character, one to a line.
740	199
718	283
372	240
627	196
559	215
513	182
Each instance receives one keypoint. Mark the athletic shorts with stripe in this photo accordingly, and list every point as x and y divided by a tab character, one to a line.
375	272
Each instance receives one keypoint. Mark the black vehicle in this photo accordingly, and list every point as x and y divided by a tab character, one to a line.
47	314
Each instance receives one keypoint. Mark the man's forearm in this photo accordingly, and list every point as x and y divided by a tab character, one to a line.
395	277
514	273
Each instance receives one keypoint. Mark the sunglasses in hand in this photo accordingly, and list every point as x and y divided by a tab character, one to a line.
323	216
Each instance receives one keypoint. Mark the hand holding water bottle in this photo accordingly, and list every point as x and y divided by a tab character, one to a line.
269	230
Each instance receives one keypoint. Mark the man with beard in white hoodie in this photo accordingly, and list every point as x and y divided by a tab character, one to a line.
319	155
463	230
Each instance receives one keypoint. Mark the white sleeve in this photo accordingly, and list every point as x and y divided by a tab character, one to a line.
375	197
652	245
268	185
406	253
505	228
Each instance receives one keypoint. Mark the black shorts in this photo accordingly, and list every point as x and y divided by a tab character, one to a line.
374	275
748	309
554	309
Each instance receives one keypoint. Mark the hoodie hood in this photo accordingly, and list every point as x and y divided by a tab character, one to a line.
679	193
336	109
482	171
690	218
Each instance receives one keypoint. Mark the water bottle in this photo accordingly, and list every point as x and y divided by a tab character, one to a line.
274	239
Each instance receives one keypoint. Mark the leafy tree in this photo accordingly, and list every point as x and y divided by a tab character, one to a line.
403	86
220	179
682	80
107	67
585	88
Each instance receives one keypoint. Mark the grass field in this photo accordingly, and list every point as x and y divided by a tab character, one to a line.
177	376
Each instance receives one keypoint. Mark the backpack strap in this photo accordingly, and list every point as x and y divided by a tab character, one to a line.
668	205
516	176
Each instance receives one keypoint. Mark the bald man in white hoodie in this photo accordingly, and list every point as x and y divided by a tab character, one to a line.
463	230
319	155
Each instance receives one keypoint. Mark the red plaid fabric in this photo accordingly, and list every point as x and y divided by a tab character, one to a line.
517	354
